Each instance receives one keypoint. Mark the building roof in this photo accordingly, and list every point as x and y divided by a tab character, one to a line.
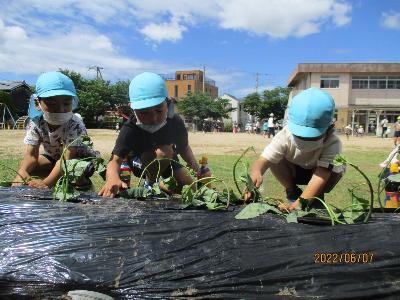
230	96
342	68
11	85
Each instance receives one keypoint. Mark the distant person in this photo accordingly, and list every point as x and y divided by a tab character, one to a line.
396	137
384	124
348	131
235	127
265	127
303	152
248	127
154	131
360	131
271	125
53	125
258	127
372	128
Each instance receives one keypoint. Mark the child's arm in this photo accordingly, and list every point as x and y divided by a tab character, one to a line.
28	164
314	188
55	173
188	156
113	182
257	171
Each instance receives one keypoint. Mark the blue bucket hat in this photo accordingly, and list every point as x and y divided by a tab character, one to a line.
310	113
147	90
51	84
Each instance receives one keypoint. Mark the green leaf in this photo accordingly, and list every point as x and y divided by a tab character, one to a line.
394	178
340	160
100	167
253	210
292	217
63	194
170	183
75	169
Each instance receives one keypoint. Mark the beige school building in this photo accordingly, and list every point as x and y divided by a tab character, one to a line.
363	92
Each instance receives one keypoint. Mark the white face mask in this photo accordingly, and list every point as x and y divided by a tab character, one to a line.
56	118
307	146
150	128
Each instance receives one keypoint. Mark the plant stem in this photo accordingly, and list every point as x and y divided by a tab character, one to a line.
371	190
234	168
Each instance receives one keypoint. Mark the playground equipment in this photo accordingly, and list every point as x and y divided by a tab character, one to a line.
6	122
14	96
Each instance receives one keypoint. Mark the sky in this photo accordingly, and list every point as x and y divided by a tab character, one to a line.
234	40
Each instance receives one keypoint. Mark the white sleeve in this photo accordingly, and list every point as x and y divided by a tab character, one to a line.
277	149
331	149
32	136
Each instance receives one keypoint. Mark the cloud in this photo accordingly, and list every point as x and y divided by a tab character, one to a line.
391	20
171	31
282	18
166	20
22	53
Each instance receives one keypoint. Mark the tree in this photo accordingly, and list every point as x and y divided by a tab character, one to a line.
94	100
275	101
220	108
252	105
201	106
97	95
272	101
119	93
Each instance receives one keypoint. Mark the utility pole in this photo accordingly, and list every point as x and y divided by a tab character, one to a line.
257	74
98	71
204	79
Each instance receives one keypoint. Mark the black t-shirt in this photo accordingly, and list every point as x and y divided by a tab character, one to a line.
133	140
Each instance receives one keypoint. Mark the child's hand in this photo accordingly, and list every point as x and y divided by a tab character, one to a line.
15	183
111	188
38	183
288	207
247	197
257	181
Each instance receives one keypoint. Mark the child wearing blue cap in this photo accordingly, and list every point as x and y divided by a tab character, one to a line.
153	131
302	153
53	125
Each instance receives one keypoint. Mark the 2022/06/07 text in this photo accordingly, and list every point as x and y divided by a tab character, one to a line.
330	258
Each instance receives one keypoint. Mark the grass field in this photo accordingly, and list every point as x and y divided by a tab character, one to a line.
223	150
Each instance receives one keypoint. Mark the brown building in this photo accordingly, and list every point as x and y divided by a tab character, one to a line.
363	92
185	82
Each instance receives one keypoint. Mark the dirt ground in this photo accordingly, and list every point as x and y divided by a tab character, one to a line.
11	142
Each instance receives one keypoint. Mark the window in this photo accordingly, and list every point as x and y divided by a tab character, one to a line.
189	88
188	76
176	91
359	82
329	81
178	77
393	82
377	82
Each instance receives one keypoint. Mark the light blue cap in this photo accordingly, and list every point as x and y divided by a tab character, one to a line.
147	90
310	113
51	84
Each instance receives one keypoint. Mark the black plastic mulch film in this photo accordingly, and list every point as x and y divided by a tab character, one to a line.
132	249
